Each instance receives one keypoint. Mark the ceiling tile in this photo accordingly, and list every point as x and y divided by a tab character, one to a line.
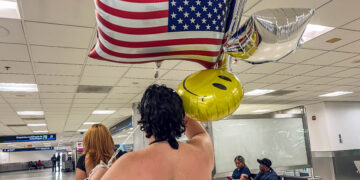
352	47
329	58
78	13
110	106
57	88
23	101
17	52
58	54
240	66
135	82
58	35
325	71
87	101
115	101
104	71
122	95
174	84
273	79
58	69
99	81
346	37
67	80
251	86
298	80
298	69
188	65
16	67
177	75
245	78
90	95
144	73
267	68
126	90
168	64
345	12
347	73
322	80
13	26
96	62
276	86
300	55
284	4
57	95
354	25
76	105
56	101
21	95
17	78
351	62
346	81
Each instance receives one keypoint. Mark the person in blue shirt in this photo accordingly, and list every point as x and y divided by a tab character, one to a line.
266	172
241	172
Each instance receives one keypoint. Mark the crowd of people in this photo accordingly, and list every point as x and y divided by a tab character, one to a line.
36	164
163	120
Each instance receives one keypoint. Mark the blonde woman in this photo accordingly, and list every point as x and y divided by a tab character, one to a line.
98	146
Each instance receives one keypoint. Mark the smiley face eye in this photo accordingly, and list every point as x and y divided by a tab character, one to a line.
225	78
220	86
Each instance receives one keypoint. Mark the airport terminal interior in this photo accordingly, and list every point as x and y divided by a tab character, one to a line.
293	68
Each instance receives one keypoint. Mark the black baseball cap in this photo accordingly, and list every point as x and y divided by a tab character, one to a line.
265	162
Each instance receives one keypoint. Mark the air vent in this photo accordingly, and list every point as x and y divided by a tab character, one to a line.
333	40
16	125
93	89
33	119
280	92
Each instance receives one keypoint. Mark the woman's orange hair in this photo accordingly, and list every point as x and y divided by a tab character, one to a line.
98	145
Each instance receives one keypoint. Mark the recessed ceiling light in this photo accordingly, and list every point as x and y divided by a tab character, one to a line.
34	125
18	87
9	9
103	112
30	113
40	131
313	30
258	92
337	93
82	130
91	123
261	111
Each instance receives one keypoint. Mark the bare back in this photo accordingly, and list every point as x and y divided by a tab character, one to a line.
159	161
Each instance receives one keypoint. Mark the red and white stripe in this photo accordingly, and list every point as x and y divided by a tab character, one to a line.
136	31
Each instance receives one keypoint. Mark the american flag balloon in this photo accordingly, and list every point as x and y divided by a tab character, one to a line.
140	31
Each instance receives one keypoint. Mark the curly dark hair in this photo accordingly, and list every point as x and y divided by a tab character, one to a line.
162	114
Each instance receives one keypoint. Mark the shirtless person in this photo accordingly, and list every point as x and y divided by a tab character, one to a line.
163	120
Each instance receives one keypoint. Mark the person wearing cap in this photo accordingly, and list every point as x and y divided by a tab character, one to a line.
266	172
241	172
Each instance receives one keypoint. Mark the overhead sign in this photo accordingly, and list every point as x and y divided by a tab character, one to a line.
29	149
26	138
121	125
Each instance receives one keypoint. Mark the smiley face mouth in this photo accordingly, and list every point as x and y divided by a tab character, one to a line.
217	85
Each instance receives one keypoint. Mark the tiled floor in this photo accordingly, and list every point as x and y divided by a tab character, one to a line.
45	174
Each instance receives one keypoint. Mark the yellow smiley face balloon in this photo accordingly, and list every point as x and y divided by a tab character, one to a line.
210	95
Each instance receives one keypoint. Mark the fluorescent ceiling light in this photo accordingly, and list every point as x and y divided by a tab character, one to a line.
337	93
258	92
122	136
34	125
284	115
18	87
82	130
91	123
261	111
103	112
40	131
30	113
313	30
9	9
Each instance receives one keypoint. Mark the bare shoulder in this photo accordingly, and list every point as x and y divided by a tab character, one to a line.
126	167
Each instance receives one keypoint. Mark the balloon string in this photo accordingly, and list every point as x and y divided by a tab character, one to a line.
102	164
